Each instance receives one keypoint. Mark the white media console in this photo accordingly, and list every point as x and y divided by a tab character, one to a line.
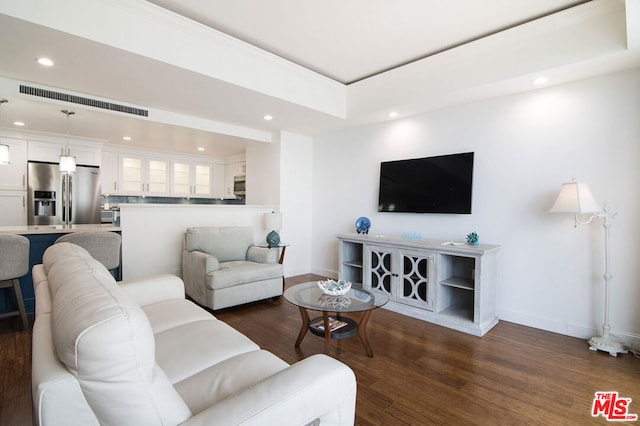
450	284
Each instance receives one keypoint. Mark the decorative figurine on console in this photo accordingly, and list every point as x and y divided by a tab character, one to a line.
473	238
362	225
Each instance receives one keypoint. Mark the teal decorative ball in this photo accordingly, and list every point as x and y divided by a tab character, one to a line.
472	238
273	239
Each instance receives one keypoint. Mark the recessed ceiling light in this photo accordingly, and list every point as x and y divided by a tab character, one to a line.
18	123
268	117
200	148
126	138
540	80
393	114
45	62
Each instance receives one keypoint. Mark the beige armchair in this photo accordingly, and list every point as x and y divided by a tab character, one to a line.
221	267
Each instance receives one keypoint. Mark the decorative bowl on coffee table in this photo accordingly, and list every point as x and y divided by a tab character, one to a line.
334	288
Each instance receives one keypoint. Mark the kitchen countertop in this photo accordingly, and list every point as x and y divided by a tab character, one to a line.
56	229
123	206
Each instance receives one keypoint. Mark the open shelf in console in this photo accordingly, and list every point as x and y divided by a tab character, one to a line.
457	285
456	302
459	282
458	271
351	261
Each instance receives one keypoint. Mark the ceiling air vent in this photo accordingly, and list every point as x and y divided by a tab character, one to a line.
95	103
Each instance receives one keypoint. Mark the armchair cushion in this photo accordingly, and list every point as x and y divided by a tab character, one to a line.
235	273
227	243
262	254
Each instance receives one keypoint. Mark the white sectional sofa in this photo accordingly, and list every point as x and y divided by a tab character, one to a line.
138	353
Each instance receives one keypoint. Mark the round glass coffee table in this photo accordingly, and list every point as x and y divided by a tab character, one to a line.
309	297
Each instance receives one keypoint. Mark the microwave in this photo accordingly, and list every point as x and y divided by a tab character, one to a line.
239	188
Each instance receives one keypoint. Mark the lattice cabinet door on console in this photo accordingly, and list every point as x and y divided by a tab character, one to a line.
415	284
406	276
450	284
379	275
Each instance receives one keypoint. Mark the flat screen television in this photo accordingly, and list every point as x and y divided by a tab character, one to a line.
441	184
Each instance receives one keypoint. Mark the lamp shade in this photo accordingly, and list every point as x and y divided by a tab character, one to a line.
272	221
575	197
67	164
4	154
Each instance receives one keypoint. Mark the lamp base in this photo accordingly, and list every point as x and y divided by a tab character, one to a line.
606	344
273	239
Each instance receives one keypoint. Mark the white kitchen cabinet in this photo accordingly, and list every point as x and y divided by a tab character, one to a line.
218	181
140	175
109	173
13	184
453	285
238	168
14	208
191	179
87	155
13	176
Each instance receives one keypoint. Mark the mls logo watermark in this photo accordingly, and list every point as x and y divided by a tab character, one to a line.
612	407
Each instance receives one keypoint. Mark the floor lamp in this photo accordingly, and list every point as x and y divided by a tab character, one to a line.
576	198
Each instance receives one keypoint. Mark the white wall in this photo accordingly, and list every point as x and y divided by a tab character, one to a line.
296	201
525	146
263	173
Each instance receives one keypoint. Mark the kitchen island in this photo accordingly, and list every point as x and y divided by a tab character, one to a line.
55	229
40	238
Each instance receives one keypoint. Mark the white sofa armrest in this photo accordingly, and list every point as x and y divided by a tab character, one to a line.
316	387
262	254
154	289
56	393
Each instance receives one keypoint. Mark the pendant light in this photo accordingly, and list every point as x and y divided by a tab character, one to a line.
67	161
4	148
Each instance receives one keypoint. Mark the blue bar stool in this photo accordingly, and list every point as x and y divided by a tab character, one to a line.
14	263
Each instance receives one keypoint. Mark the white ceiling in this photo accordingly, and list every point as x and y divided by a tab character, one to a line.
352	40
332	64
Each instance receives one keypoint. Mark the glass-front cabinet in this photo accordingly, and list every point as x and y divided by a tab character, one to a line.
13	176
191	179
144	176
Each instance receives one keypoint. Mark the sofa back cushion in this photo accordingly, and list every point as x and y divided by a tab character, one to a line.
61	252
105	340
225	243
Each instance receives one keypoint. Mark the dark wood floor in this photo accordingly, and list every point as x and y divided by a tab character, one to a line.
420	373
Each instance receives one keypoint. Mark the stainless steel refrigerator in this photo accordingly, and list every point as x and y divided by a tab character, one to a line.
47	194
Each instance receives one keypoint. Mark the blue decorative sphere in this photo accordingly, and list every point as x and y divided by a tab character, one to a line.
362	225
273	239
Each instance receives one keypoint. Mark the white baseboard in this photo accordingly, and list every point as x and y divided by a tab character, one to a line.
329	273
574	330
